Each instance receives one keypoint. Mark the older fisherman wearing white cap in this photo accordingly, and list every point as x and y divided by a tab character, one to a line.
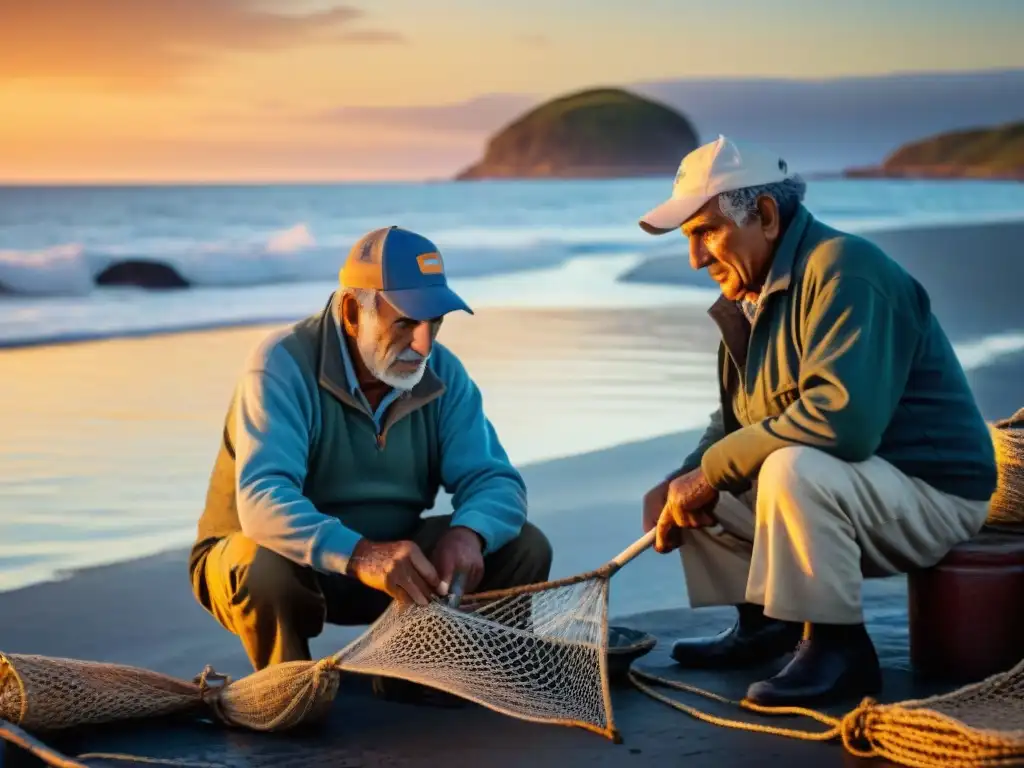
847	445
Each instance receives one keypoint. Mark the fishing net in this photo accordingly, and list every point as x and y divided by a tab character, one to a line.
1007	505
538	653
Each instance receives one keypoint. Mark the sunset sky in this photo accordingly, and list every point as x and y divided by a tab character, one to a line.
311	89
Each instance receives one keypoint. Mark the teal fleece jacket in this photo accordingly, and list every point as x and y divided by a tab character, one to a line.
314	473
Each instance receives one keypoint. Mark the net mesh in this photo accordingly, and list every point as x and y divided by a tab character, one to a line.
538	656
537	653
1007	505
42	693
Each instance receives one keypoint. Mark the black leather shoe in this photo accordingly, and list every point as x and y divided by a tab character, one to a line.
834	663
753	639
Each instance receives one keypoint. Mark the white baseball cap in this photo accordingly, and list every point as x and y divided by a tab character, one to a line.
716	167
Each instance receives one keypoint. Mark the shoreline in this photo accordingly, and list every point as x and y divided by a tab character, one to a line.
66	340
931	173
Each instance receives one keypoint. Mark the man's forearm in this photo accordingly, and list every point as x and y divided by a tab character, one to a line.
273	424
281	519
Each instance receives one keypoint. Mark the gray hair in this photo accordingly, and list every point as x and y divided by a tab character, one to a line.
741	204
367	298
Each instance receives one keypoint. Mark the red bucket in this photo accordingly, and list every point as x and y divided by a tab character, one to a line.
967	612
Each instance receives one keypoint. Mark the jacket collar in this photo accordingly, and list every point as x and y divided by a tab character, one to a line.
729	317
780	274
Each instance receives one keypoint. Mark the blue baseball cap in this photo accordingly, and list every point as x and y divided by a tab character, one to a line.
406	268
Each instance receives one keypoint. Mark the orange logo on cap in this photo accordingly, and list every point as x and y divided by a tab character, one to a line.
430	263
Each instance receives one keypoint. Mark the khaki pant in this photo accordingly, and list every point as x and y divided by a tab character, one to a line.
802	540
275	605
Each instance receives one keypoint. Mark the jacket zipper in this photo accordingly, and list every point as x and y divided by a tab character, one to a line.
382	436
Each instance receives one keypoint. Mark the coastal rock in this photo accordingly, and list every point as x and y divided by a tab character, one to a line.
141	273
601	133
982	153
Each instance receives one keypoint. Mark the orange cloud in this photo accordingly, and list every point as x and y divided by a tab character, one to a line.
145	42
534	40
480	114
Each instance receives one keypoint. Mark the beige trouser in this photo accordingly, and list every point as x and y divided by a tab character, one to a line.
813	527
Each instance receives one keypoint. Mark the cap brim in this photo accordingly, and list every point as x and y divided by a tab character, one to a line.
671	214
426	303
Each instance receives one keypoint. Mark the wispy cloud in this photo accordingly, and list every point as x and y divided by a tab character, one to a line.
372	36
534	41
476	115
145	42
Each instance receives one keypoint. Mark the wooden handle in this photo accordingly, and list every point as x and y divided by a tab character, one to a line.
635	549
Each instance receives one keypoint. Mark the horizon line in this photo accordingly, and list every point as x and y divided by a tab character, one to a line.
128	181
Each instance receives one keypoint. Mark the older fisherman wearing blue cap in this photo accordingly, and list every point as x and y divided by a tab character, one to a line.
340	433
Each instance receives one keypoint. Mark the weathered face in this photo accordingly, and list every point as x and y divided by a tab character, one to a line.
737	257
394	348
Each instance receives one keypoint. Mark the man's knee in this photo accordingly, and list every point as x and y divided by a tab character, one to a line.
274	580
536	549
263	582
787	471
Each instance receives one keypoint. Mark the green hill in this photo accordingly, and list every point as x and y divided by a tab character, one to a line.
991	153
598	133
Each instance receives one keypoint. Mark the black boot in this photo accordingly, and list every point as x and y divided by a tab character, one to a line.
835	662
753	639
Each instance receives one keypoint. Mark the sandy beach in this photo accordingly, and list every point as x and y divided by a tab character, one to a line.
100	465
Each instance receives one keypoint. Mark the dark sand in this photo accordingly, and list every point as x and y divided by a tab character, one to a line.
142	612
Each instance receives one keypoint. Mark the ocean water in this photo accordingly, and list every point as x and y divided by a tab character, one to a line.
106	447
268	253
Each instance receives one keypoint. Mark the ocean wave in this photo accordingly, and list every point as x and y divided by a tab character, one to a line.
60	270
227	250
291	255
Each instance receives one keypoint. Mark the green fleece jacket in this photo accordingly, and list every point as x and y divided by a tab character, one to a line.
844	356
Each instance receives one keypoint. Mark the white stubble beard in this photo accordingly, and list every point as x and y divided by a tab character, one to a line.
366	341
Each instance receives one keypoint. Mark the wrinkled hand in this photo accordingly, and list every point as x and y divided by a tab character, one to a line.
398	568
460	550
689	502
654	503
